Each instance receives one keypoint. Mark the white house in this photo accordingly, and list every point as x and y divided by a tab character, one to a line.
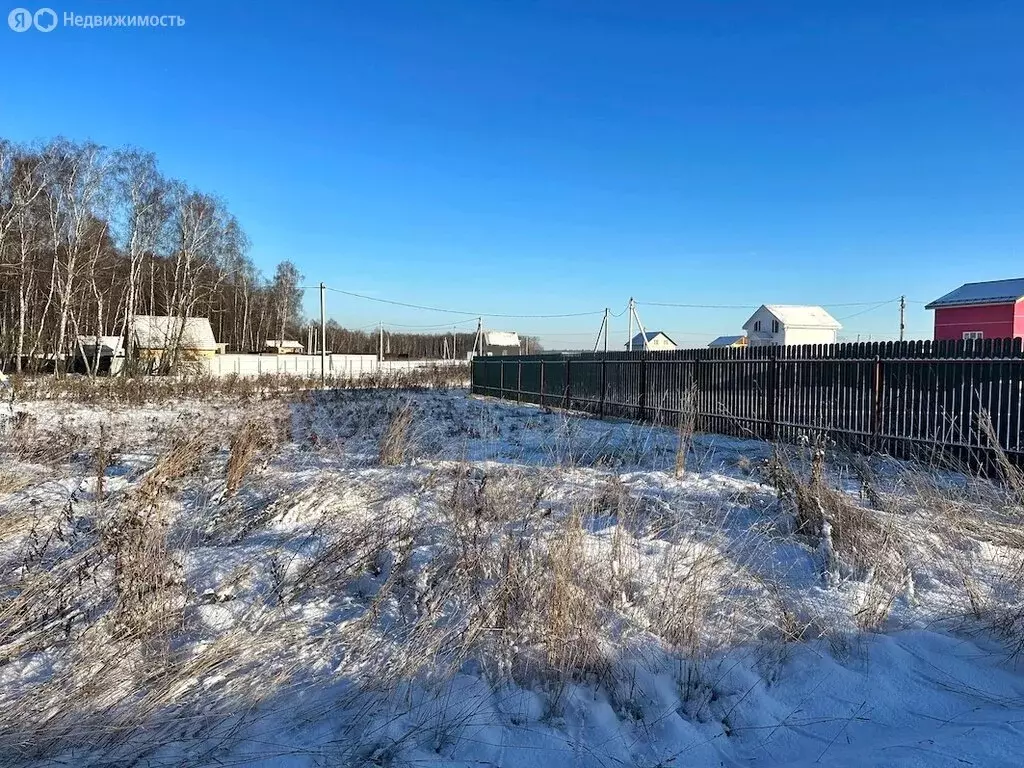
502	343
782	324
657	341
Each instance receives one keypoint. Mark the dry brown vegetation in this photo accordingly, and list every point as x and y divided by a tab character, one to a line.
141	390
394	443
544	574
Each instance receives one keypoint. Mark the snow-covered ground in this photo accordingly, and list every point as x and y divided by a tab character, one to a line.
226	583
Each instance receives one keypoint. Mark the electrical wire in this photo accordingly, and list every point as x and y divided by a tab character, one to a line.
747	306
459	311
879	305
691	306
431	327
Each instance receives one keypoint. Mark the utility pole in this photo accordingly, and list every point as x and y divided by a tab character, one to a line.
600	330
629	311
453	343
323	335
380	353
903	315
643	331
478	344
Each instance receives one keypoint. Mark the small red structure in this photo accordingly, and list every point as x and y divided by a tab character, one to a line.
991	310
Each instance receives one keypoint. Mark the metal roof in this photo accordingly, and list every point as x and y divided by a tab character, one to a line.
109	346
726	341
991	292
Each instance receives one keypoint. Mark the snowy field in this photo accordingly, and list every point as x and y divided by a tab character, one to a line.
388	578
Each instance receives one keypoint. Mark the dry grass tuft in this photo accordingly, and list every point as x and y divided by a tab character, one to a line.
852	539
687	426
12	481
251	441
31	442
395	442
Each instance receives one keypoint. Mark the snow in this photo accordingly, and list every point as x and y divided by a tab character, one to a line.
322	615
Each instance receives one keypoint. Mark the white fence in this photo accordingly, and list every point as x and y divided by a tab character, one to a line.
340	366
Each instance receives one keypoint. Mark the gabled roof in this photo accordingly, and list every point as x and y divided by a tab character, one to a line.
160	332
638	340
109	346
501	338
726	341
798	316
991	292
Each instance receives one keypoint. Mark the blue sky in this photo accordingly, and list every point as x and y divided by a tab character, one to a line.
557	157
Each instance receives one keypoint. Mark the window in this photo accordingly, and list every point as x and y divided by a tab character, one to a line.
775	326
757	326
973	335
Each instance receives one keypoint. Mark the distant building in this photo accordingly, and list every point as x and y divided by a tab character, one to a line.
990	310
730	341
155	335
103	346
657	341
284	347
775	325
99	354
498	343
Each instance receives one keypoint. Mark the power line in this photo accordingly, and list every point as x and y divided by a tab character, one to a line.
430	327
459	311
879	305
748	306
692	306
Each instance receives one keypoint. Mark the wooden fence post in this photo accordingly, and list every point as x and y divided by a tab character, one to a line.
519	379
772	393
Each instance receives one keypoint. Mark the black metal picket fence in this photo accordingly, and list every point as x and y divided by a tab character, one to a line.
897	397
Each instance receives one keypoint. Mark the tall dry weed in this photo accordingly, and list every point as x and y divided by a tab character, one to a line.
395	442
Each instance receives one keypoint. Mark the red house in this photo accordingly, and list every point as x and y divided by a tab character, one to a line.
992	310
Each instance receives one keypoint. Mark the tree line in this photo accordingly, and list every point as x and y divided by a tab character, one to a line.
91	237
